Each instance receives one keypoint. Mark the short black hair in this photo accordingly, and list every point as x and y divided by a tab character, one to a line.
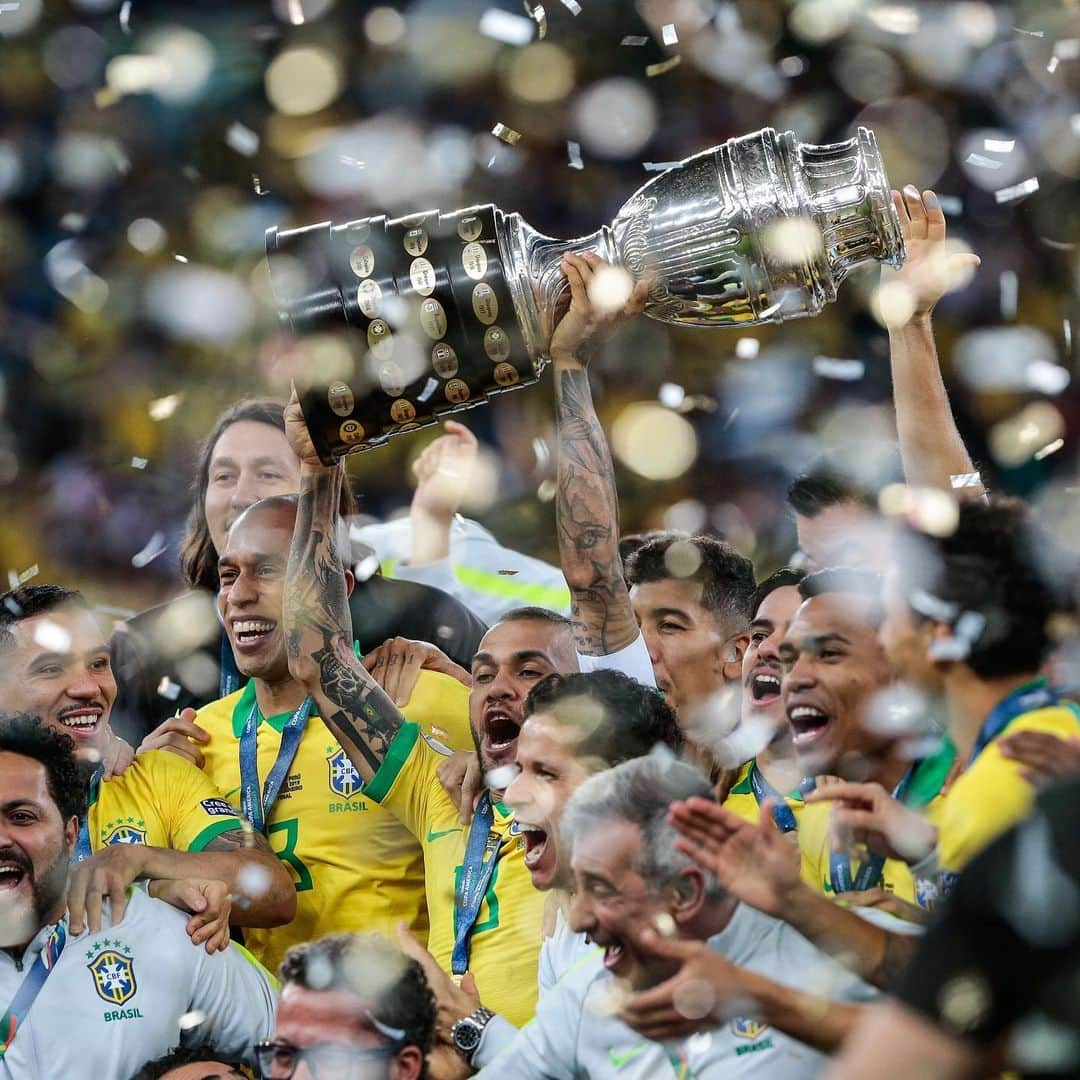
990	566
815	491
633	541
188	1055
632	718
726	577
27	736
849	580
28	601
373	968
535	614
784	578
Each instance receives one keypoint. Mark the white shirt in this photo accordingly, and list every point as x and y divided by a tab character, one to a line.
115	998
574	1033
485	576
632	660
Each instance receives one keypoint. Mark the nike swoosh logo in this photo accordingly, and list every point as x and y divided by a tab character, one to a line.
432	836
228	793
619	1060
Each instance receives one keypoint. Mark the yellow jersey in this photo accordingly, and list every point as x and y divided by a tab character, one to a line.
992	795
355	866
741	799
923	793
506	937
160	800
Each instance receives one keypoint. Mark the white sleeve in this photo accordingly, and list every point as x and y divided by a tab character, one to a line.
239	997
546	1047
632	660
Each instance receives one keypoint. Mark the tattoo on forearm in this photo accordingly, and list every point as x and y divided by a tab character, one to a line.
240	840
587	516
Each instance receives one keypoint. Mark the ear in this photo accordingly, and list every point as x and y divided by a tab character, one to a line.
350	582
732	652
71	833
407	1063
687	894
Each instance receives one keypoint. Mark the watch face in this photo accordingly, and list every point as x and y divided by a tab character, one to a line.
467	1036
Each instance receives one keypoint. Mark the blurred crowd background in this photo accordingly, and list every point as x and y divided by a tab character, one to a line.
146	146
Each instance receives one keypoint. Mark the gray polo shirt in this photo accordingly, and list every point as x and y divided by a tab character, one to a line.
115	998
574	1033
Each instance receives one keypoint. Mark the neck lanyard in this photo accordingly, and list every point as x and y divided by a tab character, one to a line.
481	855
869	874
83	850
229	680
783	815
43	966
1026	698
256	809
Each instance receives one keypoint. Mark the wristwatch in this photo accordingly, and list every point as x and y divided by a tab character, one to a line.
466	1033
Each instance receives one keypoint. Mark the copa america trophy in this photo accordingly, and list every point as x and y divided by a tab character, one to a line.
453	308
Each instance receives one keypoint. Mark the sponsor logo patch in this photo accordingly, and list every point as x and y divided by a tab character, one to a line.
219	808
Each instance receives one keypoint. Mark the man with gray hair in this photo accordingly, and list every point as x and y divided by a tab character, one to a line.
655	912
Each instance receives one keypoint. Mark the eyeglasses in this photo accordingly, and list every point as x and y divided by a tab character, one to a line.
278	1060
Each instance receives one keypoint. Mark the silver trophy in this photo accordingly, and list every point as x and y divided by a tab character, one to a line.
760	229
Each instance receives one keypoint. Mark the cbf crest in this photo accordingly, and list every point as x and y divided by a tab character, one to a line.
344	779
746	1028
114	976
125	834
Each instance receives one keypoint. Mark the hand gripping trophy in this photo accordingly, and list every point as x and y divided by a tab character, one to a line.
453	308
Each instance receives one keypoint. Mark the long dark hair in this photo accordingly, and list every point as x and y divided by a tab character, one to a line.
198	556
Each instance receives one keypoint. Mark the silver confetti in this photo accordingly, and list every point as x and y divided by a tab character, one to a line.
573	151
843	370
242	139
167	689
999	146
139	462
658	166
180	258
1048	449
669	34
982	162
634	39
572	6
1009	290
125	16
967	479
1017	191
154	547
507	134
506	27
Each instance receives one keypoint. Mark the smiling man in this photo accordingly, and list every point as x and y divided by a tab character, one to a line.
835	673
353	865
630	881
161	818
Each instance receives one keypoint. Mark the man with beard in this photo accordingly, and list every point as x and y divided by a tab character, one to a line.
485	916
575	726
647	905
96	1004
354	867
161	818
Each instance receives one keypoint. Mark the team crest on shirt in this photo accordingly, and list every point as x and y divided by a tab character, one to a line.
130	831
746	1028
114	976
344	779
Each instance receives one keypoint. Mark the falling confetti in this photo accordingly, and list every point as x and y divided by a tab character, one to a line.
506	27
125	16
572	6
663	67
162	408
242	139
257	185
999	146
1009	290
1048	449
538	15
155	546
139	462
669	34
634	39
167	689
1017	191
843	370
573	151
963	480
982	162
180	258
507	134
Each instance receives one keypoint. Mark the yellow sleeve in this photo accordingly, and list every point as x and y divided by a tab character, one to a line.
439	706
193	811
406	780
993	795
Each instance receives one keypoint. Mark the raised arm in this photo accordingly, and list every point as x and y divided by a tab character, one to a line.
930	445
586	503
318	626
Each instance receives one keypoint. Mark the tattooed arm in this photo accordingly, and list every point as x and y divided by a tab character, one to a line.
318	626
587	505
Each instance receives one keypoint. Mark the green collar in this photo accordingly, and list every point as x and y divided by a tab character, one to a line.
242	710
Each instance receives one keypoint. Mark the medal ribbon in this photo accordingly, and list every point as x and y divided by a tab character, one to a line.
229	679
1026	698
19	1009
257	809
481	855
83	849
869	874
783	815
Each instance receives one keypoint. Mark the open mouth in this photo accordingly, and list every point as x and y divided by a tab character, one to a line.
613	953
536	841
11	876
500	730
764	688
808	723
82	722
251	632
